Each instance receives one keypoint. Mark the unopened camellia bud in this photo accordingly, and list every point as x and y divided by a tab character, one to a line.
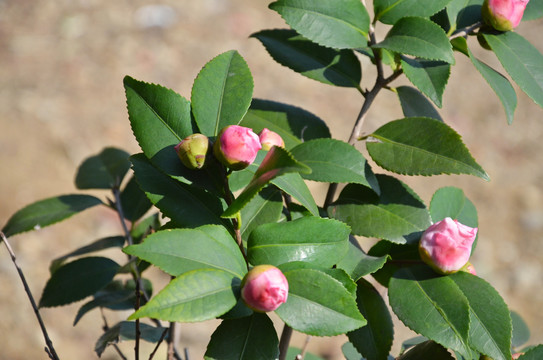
192	150
469	268
446	245
503	15
270	138
264	288
236	147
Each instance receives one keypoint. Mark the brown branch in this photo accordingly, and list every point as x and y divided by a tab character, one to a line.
284	342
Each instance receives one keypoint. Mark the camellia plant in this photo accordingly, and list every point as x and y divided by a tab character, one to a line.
218	198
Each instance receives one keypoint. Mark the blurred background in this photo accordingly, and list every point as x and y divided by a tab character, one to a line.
61	100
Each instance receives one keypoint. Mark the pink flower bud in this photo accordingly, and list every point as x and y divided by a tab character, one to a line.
192	150
236	147
446	245
269	138
264	288
503	15
517	355
469	268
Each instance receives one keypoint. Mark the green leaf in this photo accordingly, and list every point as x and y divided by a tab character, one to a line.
501	86
427	350
277	162
221	93
374	340
490	322
294	124
390	11
295	186
318	241
451	202
422	146
103	171
47	212
178	251
294	351
400	255
533	354
126	330
397	215
463	13
332	160
77	280
432	306
194	296
264	208
521	331
357	263
247	338
418	37
328	308
534	10
186	205
428	76
341	276
133	201
342	24
329	66
521	60
414	104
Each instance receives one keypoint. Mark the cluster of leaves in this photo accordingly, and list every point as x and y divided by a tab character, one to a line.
275	214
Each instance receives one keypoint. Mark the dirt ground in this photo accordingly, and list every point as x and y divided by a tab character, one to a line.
61	100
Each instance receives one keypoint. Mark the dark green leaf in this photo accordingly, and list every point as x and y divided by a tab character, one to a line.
133	201
180	250
341	276
350	352
428	76
534	10
77	280
414	104
322	242
463	13
357	263
295	186
186	205
409	343
194	296
47	212
264	208
418	37
422	146
327	65
221	93
400	256
521	332
427	350
126	330
277	162
501	86
432	306
332	160
328	308
103	171
390	11
341	24
374	340
535	353
451	202
248	338
521	60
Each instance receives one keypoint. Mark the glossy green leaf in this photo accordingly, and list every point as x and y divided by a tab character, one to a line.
324	64
463	13
432	306
318	241
451	202
295	186
126	330
534	10
248	338
418	37
221	93
501	86
47	212
133	201
521	331
332	160
328	308
186	205
194	296
294	124
522	61
178	251
397	215
277	162
374	340
400	255
430	77
103	171
341	24
427	350
266	207
77	280
414	104
490	322
390	11
422	146
535	353
357	263
344	278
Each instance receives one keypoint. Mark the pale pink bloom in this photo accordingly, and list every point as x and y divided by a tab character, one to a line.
270	138
264	288
236	147
503	15
446	245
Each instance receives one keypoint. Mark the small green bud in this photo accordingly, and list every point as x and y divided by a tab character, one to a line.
192	151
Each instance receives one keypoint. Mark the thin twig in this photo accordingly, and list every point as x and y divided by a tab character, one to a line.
466	31
304	348
106	328
284	342
171	342
49	349
162	336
